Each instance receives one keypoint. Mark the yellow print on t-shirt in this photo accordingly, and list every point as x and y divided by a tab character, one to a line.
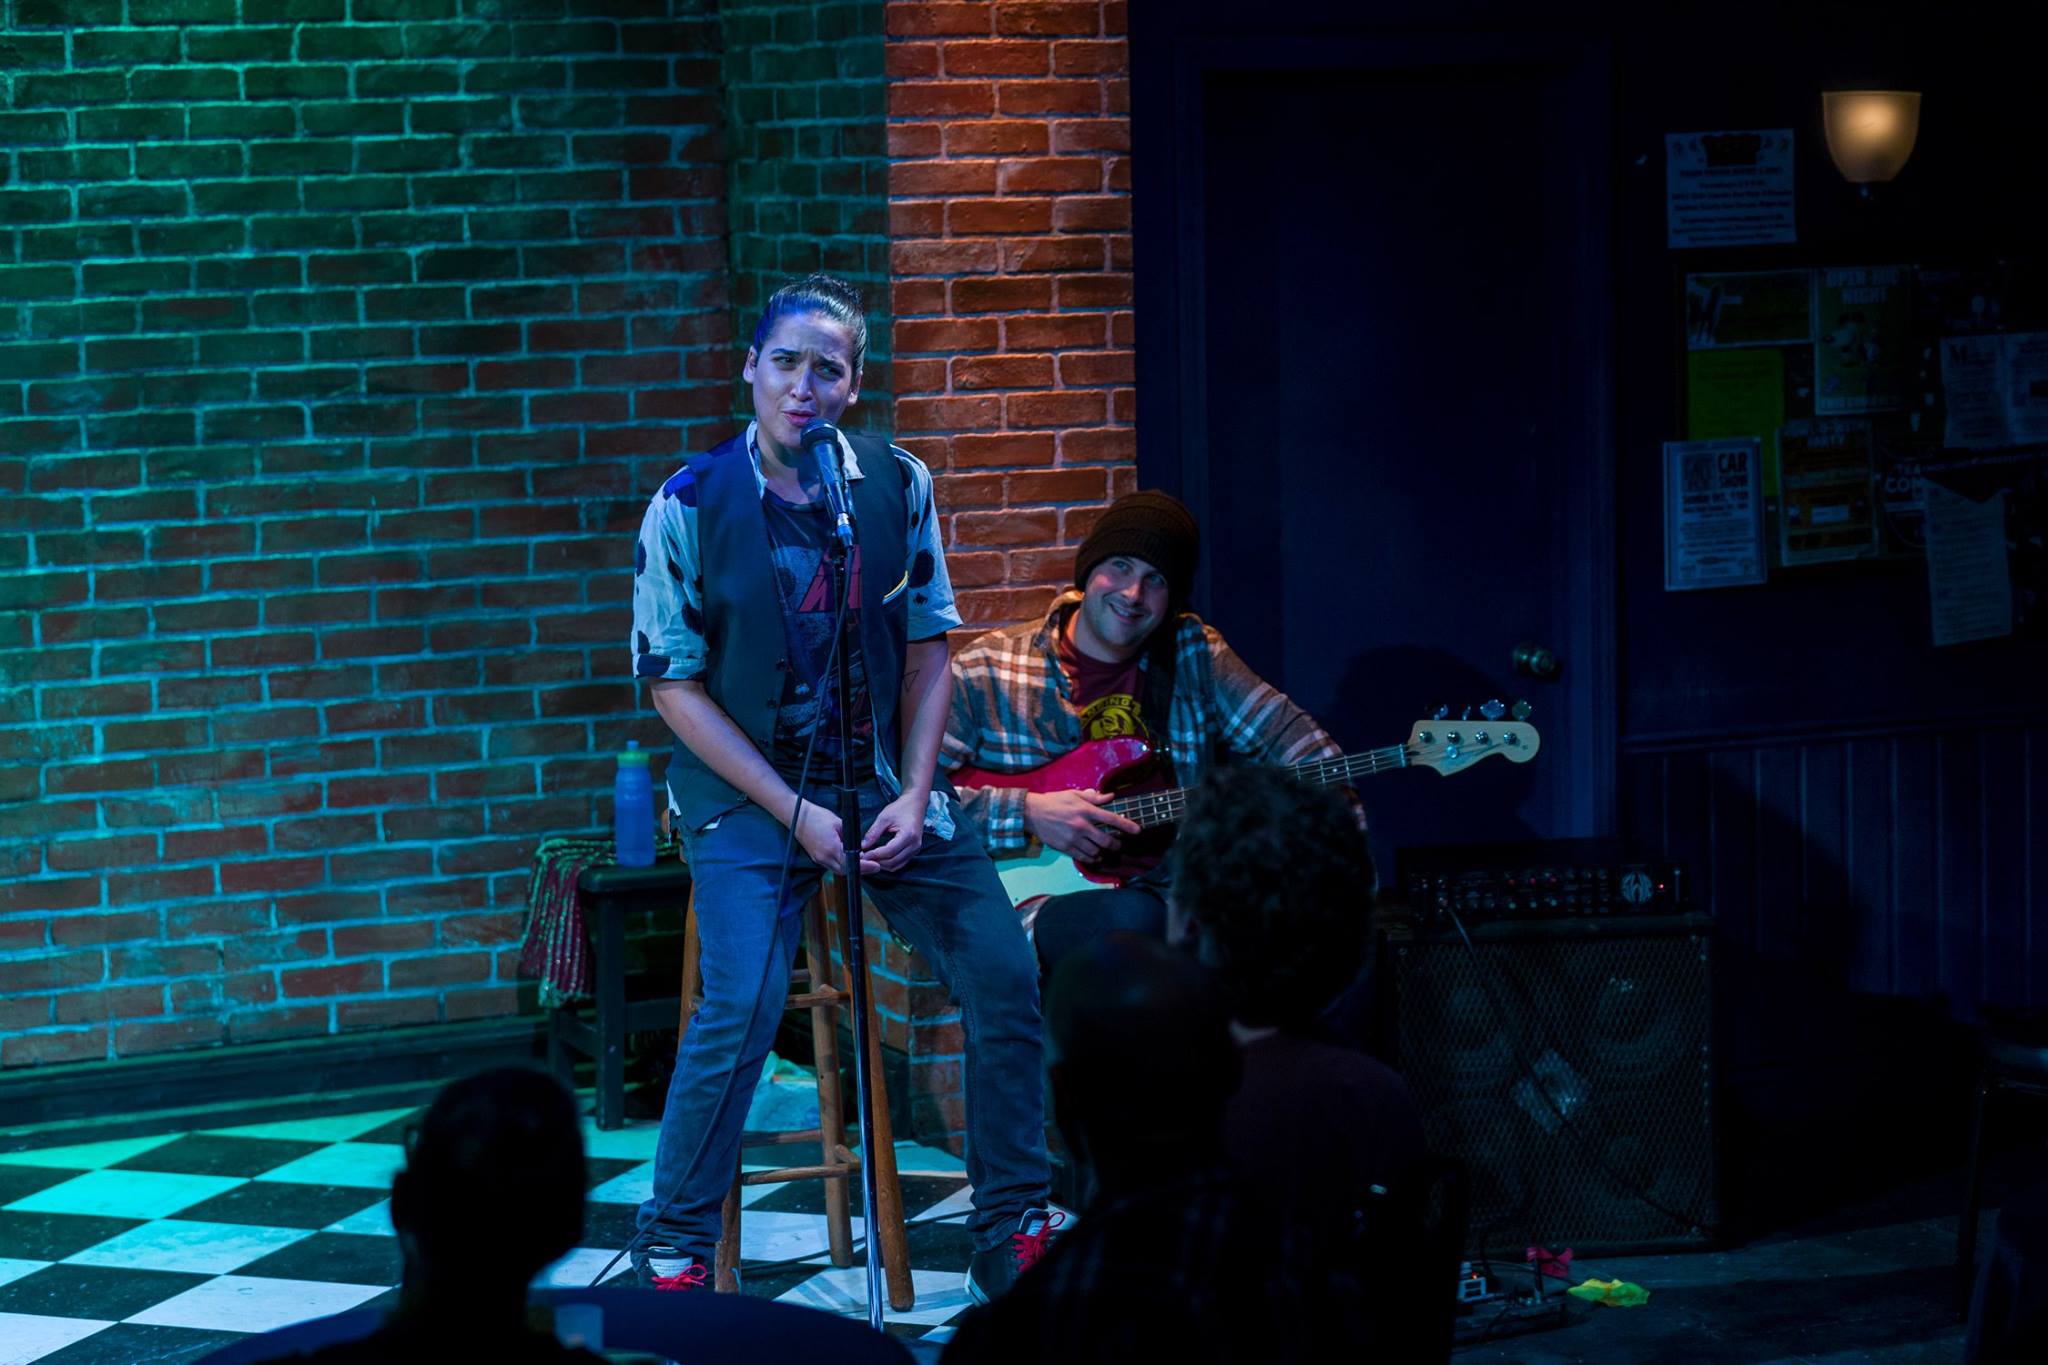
1112	717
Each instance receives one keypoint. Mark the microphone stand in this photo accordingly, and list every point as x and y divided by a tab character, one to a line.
839	550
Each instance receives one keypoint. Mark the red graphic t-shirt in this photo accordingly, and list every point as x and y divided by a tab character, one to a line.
1109	697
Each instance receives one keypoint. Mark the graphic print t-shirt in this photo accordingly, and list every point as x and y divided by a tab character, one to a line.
797	536
1109	697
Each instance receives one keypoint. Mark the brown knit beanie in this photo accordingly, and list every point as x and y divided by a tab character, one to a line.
1149	525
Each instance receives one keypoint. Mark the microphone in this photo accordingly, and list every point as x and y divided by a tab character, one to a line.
821	439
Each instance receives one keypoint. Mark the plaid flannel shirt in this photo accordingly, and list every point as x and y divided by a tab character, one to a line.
1013	709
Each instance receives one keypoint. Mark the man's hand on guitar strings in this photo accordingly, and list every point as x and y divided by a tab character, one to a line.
1076	823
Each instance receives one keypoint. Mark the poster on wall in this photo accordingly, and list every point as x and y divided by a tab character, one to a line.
1728	189
2024	386
1862	341
1825	510
2026	551
1972	387
1754	308
1900	460
1954	300
1713	514
1737	393
1969	589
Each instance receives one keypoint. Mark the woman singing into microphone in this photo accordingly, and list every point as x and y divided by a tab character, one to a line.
733	624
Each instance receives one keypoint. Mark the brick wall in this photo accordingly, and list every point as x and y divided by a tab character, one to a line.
339	349
1009	210
809	168
340	342
1009	220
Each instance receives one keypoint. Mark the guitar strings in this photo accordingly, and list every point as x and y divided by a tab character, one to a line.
1150	808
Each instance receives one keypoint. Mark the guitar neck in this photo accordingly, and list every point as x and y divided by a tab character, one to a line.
1164	807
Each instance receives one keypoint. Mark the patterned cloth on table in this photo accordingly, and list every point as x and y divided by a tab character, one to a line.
557	946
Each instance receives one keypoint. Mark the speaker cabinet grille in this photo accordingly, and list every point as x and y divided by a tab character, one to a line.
1568	1064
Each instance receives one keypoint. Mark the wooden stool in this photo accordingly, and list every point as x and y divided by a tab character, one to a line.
839	1168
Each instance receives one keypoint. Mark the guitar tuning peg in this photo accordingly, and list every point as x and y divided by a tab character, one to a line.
1441	713
1492	709
1467	715
1521	710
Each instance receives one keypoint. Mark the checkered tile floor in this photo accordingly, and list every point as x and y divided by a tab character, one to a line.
160	1249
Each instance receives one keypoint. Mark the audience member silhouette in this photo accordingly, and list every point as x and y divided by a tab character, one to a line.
491	1192
1168	1261
1272	888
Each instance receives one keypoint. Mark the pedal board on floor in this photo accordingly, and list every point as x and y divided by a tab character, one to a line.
1474	1285
1506	1314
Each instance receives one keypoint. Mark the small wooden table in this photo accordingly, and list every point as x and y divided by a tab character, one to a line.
608	895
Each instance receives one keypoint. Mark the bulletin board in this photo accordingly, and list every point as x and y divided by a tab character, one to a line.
1900	413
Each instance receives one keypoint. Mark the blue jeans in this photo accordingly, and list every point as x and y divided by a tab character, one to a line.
1077	918
950	906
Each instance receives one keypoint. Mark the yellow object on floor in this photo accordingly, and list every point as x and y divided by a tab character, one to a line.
1613	1293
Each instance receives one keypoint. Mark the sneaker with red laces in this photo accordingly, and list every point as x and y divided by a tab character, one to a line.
666	1267
991	1271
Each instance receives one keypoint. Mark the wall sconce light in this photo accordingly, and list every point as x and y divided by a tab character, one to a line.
1870	132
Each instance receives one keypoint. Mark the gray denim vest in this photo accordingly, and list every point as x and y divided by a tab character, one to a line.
743	627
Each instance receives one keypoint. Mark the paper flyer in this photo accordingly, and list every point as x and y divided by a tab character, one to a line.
2025	387
1713	514
1728	189
1733	393
1900	459
1862	343
1798	379
1825	509
1968	587
1972	386
1758	308
1951	300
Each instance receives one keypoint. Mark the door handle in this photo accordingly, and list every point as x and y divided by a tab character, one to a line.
1536	661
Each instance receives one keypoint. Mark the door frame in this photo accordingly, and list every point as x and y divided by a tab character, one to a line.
1173	52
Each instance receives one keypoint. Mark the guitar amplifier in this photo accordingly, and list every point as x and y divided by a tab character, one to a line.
1568	1062
1543	879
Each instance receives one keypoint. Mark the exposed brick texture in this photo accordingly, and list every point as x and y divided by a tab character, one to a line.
340	345
1009	139
804	95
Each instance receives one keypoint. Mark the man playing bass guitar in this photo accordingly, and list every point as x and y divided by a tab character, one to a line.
1118	658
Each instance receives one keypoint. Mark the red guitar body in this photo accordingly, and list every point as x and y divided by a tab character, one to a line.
1098	765
1095	765
1103	764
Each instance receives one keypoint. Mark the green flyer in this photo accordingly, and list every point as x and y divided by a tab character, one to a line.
1862	340
1754	308
1737	393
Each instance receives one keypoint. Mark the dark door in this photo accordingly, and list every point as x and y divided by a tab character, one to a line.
1400	385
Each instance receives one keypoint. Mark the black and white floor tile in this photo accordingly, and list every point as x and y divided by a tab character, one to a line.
161	1249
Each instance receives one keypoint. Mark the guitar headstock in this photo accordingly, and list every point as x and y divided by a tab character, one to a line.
1451	746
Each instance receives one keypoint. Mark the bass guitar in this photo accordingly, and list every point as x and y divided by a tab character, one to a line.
1447	746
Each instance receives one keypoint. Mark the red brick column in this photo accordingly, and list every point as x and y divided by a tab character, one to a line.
1009	213
1010	247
